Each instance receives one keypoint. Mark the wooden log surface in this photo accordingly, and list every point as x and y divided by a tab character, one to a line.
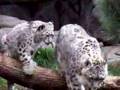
44	78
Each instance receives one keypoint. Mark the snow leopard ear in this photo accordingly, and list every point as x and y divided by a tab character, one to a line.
37	26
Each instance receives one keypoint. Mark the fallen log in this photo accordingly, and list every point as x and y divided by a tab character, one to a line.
43	78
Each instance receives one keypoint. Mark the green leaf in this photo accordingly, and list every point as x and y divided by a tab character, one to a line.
45	57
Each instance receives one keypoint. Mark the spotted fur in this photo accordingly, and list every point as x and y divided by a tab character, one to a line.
80	58
25	38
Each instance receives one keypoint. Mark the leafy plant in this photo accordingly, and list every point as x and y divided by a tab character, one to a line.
114	71
3	84
45	57
110	17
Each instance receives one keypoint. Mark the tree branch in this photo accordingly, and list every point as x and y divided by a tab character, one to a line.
42	78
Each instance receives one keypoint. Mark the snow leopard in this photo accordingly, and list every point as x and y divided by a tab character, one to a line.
24	39
80	59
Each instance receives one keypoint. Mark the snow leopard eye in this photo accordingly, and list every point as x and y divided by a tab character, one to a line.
41	27
87	63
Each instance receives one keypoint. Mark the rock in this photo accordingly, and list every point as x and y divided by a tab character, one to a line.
62	12
112	54
48	13
9	21
81	12
4	31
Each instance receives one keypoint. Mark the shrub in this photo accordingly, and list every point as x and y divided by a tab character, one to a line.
110	17
45	57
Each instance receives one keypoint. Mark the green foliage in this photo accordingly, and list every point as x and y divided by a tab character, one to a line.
3	84
114	71
45	57
110	17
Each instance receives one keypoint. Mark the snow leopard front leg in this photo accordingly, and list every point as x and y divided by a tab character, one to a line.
5	51
74	80
25	52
